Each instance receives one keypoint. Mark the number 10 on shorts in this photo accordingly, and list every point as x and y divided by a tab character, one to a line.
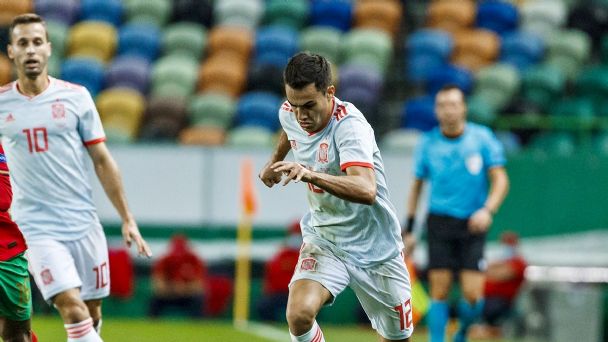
405	314
101	275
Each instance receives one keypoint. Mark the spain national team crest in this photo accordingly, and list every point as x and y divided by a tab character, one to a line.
308	264
322	155
58	110
46	276
294	144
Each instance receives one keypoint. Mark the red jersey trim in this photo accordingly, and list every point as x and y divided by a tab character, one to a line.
94	141
344	166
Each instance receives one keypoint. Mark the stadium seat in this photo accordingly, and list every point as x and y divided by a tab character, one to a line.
63	11
276	44
368	79
202	136
601	143
154	12
187	38
542	16
480	110
542	84
591	18
110	11
224	72
400	140
6	67
568	50
259	109
498	16
322	40
54	66
58	36
9	9
449	74
451	15
510	142
93	39
334	13
87	72
521	49
368	47
427	50
250	137
130	72
122	110
293	13
164	118
212	109
174	76
475	49
592	83
139	39
384	15
245	13
497	84
579	108
196	11
364	100
553	143
236	40
265	77
419	113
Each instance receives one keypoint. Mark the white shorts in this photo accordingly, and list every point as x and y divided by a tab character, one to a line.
58	266
383	290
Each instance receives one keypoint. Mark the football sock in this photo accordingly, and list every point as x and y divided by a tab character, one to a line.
467	314
313	335
437	320
82	332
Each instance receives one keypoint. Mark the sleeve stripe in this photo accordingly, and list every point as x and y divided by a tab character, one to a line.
349	164
94	141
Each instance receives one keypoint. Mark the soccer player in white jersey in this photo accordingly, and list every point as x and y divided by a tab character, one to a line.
47	128
351	232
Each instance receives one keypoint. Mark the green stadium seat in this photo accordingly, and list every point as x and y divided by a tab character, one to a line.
480	110
400	140
323	40
554	143
187	38
58	35
497	84
569	50
601	143
542	84
156	12
174	75
592	83
573	112
245	13
54	65
293	13
250	137
212	109
368	47
543	16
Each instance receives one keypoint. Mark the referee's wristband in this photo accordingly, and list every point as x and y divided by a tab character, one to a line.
409	225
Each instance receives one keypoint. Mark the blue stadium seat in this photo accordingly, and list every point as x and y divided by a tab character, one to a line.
427	50
364	100
522	49
335	13
258	108
139	39
103	10
65	11
368	79
276	40
419	113
498	16
128	71
450	74
266	77
87	72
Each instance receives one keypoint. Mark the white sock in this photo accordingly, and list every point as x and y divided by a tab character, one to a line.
98	327
313	335
82	332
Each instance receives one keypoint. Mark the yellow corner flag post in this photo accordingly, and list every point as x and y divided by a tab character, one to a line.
243	246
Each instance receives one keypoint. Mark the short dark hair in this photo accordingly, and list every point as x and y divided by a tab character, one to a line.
26	18
305	68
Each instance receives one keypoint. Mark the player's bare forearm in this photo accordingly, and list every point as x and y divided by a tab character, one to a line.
281	149
499	187
412	201
353	188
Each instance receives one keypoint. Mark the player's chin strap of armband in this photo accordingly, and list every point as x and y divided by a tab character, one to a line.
409	225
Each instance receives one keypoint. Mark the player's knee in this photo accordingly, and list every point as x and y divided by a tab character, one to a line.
71	308
301	316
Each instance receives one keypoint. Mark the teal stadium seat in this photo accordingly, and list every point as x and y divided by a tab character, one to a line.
250	137
212	109
322	40
592	83
174	76
543	16
293	13
542	84
481	110
155	12
185	38
569	50
497	84
246	13
600	143
574	112
58	35
554	144
368	47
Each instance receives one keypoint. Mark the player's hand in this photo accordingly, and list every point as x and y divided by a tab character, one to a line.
291	171
130	233
480	221
268	176
409	240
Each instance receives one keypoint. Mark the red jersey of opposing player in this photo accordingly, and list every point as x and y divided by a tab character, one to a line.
11	240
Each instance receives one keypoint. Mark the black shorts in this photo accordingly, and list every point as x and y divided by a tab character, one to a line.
452	246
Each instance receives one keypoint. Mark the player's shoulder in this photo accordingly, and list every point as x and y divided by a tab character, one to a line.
286	107
346	113
5	89
480	131
69	87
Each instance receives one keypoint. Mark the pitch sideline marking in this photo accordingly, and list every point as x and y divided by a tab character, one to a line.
265	330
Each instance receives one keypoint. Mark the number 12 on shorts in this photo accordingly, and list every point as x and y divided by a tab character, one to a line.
405	314
101	275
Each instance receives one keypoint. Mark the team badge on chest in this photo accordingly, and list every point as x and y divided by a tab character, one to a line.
58	110
323	153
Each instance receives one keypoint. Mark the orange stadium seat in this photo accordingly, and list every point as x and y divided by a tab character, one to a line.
11	8
203	135
475	49
224	72
94	39
381	14
5	69
121	109
236	40
451	15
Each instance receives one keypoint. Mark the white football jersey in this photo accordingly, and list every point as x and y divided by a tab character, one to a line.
45	139
362	234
